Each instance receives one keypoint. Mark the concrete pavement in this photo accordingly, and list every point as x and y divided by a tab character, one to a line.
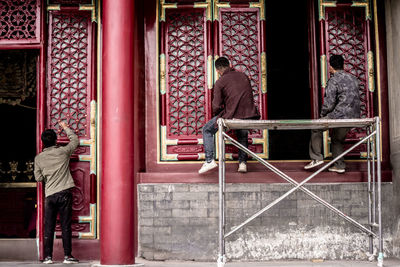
387	263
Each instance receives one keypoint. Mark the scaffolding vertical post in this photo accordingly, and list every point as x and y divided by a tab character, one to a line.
374	151
371	238
379	180
221	156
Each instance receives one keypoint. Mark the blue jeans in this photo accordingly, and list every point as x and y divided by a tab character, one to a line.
209	130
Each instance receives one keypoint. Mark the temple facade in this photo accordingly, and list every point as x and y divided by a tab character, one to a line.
134	79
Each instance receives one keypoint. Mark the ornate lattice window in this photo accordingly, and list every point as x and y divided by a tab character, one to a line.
185	76
19	21
346	32
187	52
69	71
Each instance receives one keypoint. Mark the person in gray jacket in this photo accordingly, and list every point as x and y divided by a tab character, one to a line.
341	101
52	168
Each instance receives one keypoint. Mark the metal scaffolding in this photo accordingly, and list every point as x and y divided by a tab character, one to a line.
372	126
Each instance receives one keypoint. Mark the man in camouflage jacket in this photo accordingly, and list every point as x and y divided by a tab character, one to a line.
341	101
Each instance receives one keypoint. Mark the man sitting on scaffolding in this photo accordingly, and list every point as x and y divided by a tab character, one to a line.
233	99
341	101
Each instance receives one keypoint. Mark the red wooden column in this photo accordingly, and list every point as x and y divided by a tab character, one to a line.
117	175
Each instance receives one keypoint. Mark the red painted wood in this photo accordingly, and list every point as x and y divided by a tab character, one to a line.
240	40
162	37
188	157
139	136
186	73
70	71
19	46
117	183
21	22
93	188
232	176
313	59
41	122
383	82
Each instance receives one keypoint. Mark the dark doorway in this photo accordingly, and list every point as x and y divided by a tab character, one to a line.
18	91
288	76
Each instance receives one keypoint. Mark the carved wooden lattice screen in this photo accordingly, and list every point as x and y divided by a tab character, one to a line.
70	98
346	32
187	69
20	21
184	81
240	36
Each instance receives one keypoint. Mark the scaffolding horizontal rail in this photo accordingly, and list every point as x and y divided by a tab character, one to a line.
297	124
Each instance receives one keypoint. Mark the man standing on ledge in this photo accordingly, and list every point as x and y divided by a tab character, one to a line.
52	167
233	99
341	101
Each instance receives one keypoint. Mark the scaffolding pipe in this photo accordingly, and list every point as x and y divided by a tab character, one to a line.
221	194
379	180
371	238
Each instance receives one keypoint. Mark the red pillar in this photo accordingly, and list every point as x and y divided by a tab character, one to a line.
117	175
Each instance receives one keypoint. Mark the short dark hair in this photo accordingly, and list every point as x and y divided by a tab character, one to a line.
49	138
336	62
222	63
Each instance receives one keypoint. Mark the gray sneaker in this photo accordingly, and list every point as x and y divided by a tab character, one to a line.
208	166
70	260
314	163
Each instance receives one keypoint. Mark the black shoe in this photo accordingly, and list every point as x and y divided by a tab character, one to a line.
70	259
48	260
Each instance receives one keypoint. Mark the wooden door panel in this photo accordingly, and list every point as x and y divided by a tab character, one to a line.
345	31
71	98
185	80
240	34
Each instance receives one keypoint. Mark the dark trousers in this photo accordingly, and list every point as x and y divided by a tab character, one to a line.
60	202
209	130
338	135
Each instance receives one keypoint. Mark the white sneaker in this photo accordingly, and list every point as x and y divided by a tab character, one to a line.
208	166
48	260
242	167
313	163
336	169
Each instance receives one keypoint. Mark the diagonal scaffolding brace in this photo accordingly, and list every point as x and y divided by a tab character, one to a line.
306	124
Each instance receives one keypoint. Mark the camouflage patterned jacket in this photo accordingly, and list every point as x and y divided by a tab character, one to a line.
341	99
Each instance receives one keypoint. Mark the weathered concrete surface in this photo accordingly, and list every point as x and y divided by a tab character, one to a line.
18	249
393	63
387	263
180	221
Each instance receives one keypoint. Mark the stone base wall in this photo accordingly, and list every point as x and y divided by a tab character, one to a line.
180	221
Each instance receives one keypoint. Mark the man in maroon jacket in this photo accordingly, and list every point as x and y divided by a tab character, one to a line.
233	99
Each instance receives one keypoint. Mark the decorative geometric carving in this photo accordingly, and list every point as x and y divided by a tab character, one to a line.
79	198
346	35
68	72
186	81
240	43
19	20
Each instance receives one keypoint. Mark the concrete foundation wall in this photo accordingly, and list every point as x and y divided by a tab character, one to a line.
180	221
392	10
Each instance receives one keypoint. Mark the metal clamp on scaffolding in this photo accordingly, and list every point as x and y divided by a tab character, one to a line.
372	125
